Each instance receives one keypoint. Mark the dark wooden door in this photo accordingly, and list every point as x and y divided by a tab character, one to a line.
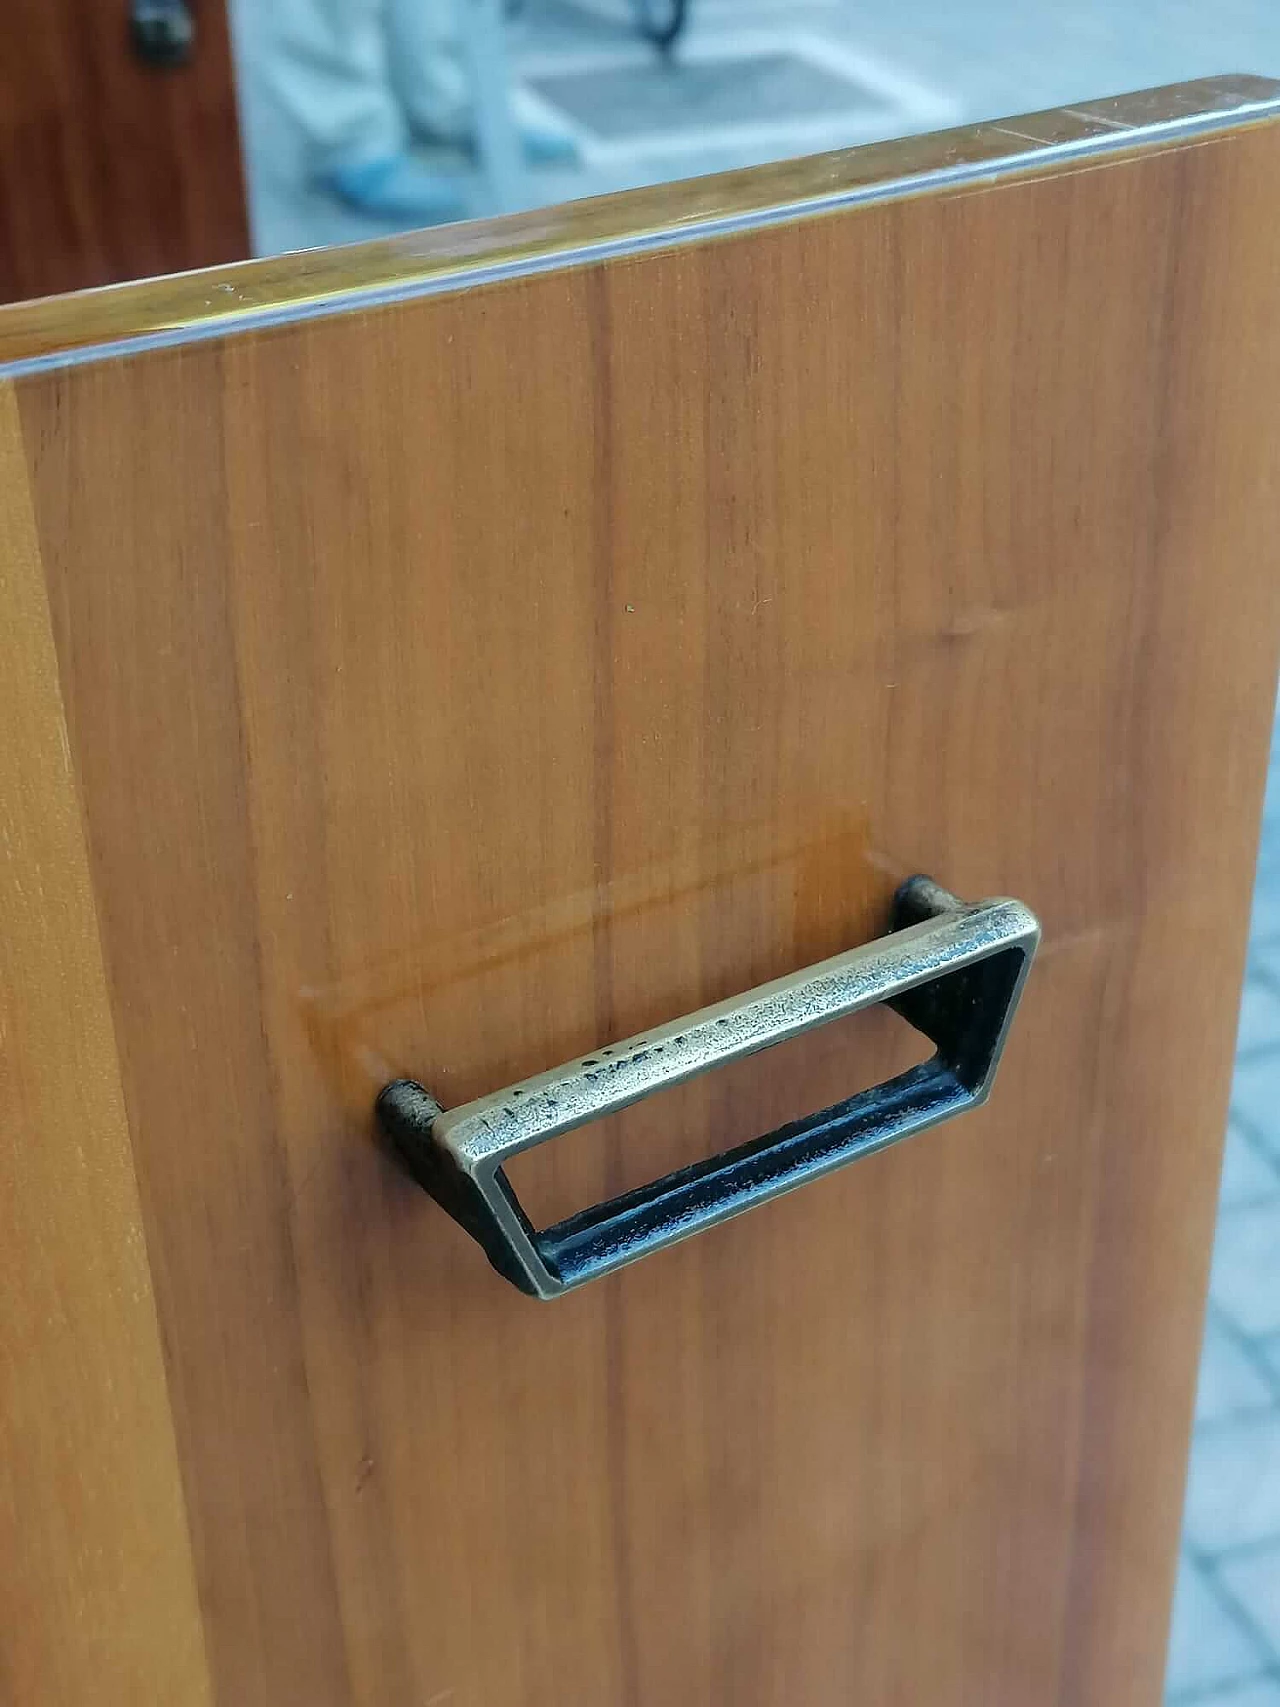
110	169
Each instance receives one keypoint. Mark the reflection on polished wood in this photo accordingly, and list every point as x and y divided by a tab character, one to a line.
365	275
458	684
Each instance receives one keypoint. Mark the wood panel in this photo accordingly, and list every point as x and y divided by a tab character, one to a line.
96	1572
110	169
460	682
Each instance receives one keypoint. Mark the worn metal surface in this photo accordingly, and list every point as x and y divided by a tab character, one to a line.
953	971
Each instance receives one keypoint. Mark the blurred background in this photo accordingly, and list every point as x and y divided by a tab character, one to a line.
743	81
153	136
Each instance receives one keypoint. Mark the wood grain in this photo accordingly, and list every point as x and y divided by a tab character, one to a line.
109	169
96	1574
458	683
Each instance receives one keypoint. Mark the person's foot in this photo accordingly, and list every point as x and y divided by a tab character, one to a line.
399	187
545	143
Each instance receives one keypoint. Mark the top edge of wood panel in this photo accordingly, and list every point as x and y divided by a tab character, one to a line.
116	320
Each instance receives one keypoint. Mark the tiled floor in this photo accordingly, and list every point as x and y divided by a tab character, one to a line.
1225	1649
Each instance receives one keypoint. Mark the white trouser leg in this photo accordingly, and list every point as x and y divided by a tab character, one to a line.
449	68
426	68
327	64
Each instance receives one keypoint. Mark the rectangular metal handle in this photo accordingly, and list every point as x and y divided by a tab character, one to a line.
954	971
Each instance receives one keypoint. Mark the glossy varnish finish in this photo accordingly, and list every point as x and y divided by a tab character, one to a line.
109	169
457	684
252	294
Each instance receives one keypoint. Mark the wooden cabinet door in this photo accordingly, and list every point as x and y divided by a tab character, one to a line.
450	657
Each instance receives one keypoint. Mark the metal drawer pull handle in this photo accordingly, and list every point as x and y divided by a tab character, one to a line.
955	972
